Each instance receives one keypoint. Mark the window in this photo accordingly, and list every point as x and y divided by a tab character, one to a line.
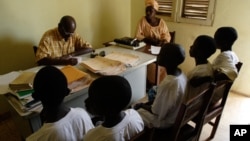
188	11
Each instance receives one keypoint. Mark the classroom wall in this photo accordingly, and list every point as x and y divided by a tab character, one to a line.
228	13
24	22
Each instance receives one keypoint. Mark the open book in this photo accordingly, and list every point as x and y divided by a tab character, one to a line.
112	64
103	65
127	59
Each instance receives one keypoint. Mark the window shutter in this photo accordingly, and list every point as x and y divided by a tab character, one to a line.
165	7
195	9
188	11
196	12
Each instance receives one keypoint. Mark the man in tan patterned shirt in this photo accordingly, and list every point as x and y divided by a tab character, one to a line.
59	45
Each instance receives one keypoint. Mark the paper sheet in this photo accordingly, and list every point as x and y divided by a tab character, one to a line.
155	49
128	59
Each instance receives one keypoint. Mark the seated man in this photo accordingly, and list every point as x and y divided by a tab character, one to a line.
60	122
58	45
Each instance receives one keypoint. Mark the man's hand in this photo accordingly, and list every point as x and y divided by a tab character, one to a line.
65	60
72	61
66	57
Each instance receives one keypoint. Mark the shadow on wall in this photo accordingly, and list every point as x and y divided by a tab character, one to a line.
15	55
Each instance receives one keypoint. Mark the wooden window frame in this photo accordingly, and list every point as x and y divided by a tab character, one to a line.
177	7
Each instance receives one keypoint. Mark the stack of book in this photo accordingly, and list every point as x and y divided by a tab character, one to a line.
22	88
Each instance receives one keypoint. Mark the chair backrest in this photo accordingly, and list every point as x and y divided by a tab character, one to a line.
219	94
142	136
215	108
35	49
238	66
193	108
172	34
218	103
219	99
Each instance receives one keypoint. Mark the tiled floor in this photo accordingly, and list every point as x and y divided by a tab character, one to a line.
235	112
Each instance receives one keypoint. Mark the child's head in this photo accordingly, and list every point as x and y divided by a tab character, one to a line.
108	95
50	86
225	37
171	55
203	47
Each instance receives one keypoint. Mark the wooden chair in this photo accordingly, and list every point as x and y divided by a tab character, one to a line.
182	130
215	110
238	66
142	136
172	34
35	49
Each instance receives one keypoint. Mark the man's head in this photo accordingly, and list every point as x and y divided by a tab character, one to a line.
108	95
50	86
67	26
171	55
203	47
225	37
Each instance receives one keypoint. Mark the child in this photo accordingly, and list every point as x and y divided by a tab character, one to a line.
170	91
108	96
60	122
225	62
202	48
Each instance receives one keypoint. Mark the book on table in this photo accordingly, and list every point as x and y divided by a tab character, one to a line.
25	104
76	78
104	66
21	89
111	64
22	85
23	82
23	93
